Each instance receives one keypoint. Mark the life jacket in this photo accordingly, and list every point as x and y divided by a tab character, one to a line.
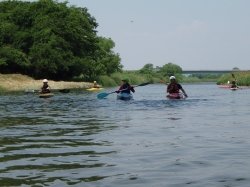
44	89
233	86
175	89
125	88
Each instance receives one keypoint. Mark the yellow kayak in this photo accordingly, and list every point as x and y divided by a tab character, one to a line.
95	89
46	95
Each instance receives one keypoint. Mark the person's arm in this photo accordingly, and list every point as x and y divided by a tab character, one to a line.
118	91
132	89
169	88
183	91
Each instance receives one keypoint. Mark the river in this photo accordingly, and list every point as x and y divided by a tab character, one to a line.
77	140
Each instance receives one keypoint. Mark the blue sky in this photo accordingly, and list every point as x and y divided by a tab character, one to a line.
194	34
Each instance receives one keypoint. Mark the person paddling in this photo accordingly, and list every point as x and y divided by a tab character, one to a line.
233	85
174	87
45	88
95	85
125	87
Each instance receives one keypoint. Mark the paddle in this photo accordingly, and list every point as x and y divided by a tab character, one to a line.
103	95
235	80
233	76
35	91
64	90
163	82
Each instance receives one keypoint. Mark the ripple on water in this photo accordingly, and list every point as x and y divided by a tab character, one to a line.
76	139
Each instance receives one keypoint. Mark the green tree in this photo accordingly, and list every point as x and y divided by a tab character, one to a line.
49	39
105	61
236	69
170	69
148	66
147	69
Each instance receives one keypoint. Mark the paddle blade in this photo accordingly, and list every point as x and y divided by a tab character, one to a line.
64	90
143	84
102	95
233	75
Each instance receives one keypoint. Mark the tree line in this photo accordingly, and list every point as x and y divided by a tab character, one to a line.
49	39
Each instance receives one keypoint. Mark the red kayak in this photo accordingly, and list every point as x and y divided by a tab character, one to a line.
229	87
175	96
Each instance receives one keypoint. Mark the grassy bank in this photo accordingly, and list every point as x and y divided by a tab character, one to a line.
243	78
116	79
135	79
18	82
196	80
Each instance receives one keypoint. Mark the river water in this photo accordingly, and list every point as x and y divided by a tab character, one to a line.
77	140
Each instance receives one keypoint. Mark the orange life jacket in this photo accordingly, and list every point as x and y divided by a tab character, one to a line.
175	89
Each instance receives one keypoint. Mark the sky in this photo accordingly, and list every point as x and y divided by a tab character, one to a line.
194	34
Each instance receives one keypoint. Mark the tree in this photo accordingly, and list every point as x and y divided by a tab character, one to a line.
236	69
105	61
170	69
148	66
49	39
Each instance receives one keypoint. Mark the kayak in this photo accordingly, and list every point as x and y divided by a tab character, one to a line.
175	96
46	95
234	89
124	96
95	89
229	87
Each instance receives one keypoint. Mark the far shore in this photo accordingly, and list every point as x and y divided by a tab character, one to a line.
18	82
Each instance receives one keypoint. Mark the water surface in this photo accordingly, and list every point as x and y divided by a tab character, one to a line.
75	139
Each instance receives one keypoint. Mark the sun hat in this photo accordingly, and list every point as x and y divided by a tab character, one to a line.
172	77
45	80
126	79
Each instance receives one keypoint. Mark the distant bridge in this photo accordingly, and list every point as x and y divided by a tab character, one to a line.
186	72
210	71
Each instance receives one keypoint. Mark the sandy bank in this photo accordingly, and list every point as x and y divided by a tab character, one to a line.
18	82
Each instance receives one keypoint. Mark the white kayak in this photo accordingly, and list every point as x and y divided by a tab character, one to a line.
234	88
124	96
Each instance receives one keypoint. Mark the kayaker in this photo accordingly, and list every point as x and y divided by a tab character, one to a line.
45	88
95	85
234	84
174	87
125	87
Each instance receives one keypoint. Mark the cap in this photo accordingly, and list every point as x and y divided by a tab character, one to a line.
172	77
45	80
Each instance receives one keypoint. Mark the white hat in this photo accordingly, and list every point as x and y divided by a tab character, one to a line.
172	77
45	80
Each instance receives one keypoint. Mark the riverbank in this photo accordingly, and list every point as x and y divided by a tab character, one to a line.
18	82
243	78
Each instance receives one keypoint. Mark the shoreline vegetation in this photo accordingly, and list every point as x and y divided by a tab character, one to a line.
242	78
71	54
19	82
